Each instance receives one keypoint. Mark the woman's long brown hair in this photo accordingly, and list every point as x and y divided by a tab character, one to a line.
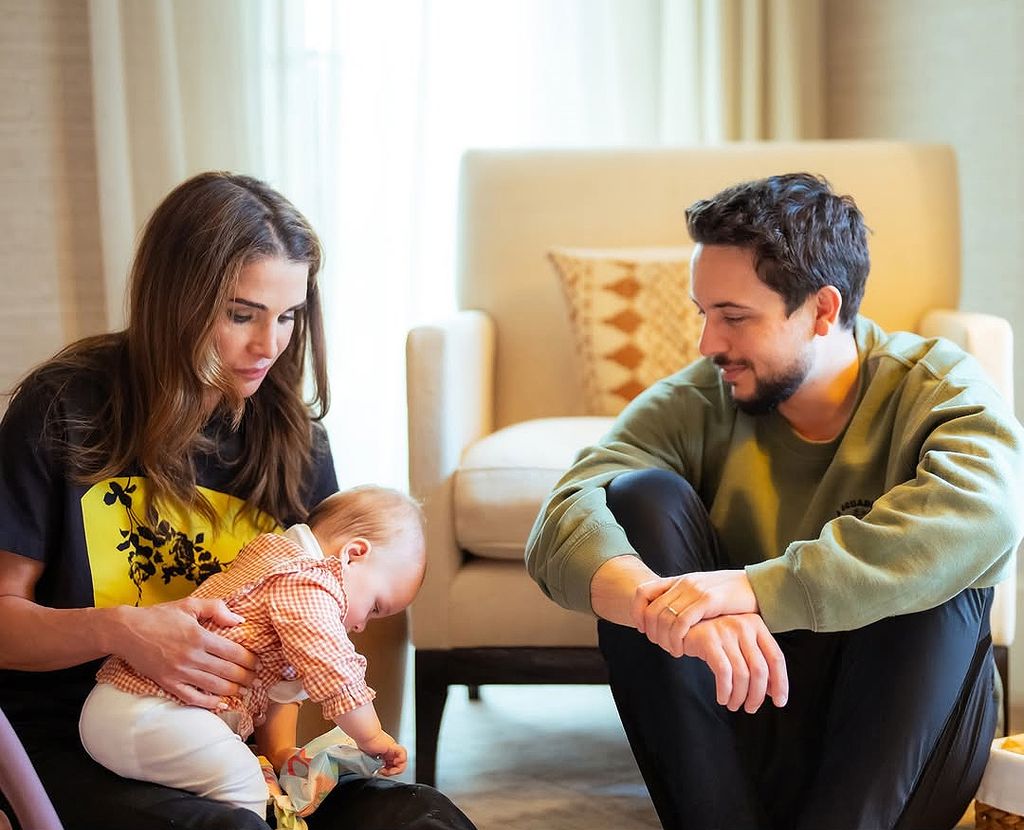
185	270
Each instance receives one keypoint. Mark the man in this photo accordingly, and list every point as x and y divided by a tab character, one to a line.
815	513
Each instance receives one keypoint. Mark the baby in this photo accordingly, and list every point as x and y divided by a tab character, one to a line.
361	556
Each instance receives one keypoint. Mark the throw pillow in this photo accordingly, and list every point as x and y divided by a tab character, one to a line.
632	318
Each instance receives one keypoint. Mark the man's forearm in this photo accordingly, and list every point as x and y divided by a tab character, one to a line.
614	585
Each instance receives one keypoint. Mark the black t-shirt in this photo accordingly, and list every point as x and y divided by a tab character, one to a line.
98	548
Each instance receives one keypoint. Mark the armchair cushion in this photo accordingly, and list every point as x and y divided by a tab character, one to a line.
504	478
496	604
631	317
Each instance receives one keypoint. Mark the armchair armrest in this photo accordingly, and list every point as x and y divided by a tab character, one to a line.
450	393
987	337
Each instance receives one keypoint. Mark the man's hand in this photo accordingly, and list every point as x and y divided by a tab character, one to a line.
735	643
744	657
167	644
666	608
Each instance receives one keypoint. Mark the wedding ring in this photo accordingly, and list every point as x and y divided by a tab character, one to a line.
672	610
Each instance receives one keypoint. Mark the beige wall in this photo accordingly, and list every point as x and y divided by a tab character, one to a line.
951	71
50	269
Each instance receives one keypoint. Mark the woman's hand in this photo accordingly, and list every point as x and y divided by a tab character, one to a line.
167	644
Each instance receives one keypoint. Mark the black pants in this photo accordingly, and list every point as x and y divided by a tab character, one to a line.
887	726
89	797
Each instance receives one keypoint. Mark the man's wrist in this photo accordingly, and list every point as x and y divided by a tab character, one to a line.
748	599
614	585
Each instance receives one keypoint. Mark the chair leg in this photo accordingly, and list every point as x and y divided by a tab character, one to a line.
1002	657
431	694
474	692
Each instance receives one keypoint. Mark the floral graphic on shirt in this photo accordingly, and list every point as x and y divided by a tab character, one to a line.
162	549
134	561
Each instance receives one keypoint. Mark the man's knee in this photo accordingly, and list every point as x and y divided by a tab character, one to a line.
665	521
648	495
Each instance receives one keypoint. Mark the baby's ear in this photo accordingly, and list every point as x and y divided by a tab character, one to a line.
356	548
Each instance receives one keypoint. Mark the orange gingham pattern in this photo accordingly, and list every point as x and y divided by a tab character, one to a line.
294	608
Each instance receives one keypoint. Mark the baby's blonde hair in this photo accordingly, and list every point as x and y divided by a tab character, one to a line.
378	514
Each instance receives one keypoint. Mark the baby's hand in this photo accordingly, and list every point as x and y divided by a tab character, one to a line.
388	750
394	759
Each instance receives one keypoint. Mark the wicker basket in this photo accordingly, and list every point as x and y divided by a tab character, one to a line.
999	804
987	817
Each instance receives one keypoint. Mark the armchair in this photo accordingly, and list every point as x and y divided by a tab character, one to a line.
496	406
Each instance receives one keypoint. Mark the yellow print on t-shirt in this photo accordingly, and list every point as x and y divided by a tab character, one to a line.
138	562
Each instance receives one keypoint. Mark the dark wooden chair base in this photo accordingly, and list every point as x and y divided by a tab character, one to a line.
436	670
475	667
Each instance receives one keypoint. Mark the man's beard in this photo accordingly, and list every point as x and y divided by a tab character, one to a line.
769	392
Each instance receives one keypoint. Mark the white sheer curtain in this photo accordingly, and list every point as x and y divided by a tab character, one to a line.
171	96
359	111
389	94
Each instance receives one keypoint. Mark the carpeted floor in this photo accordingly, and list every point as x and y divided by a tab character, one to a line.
542	758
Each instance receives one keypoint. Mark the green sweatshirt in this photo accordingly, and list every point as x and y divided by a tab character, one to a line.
918	498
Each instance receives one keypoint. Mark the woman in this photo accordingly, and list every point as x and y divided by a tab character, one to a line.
135	464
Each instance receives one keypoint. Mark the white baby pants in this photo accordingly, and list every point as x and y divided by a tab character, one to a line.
154	739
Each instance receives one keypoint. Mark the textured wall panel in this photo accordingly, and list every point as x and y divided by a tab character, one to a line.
50	275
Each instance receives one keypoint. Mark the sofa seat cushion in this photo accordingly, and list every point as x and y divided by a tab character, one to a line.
504	478
495	603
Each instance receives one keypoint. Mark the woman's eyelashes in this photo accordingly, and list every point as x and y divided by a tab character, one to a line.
242	317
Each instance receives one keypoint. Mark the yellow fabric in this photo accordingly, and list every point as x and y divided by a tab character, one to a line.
165	561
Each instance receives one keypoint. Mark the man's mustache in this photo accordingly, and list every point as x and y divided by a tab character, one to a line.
721	360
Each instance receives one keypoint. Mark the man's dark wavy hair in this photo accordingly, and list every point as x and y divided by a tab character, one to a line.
803	235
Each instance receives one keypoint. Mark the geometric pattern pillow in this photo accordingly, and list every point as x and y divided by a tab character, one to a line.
632	318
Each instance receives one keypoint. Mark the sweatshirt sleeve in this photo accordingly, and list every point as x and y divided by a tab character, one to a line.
953	523
575	532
